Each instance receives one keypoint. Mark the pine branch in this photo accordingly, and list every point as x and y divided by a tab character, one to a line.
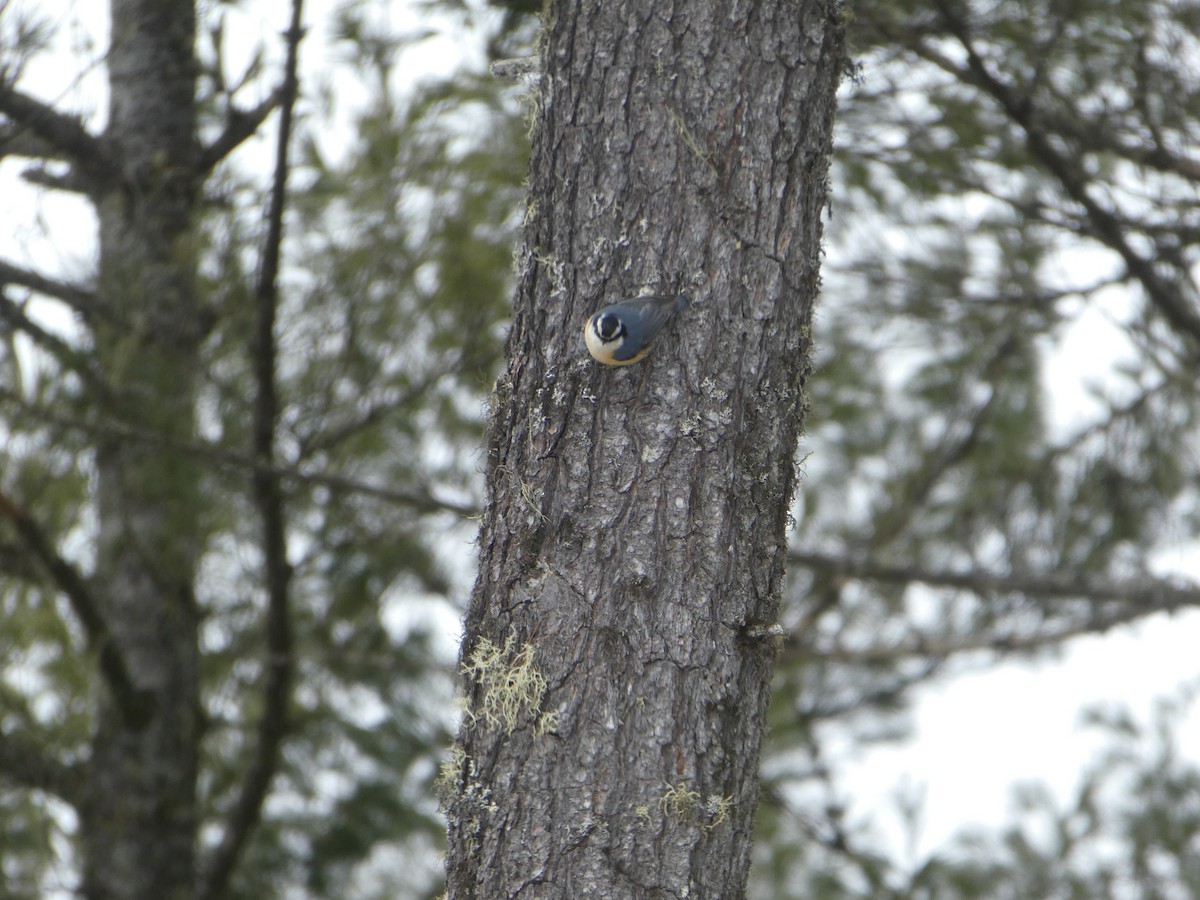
1105	226
16	319
280	663
62	134
133	702
329	439
16	140
240	125
24	763
1122	603
16	564
70	182
958	440
942	647
1150	596
420	500
827	827
78	298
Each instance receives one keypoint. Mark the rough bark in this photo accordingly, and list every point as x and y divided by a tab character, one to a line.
138	821
632	547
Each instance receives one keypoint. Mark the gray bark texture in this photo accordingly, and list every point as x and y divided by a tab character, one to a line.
138	820
632	546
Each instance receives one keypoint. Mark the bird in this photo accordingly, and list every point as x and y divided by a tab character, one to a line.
621	334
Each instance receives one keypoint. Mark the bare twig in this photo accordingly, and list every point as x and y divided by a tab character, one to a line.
331	437
240	125
938	647
280	662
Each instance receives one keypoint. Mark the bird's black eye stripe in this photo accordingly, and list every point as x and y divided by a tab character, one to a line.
609	328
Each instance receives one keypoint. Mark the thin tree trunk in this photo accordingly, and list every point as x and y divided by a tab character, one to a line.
617	654
138	821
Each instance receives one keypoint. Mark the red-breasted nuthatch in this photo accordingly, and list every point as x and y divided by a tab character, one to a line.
621	334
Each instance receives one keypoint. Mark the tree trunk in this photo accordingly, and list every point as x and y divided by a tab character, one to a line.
617	650
138	822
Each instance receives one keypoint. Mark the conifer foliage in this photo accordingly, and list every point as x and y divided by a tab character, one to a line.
242	449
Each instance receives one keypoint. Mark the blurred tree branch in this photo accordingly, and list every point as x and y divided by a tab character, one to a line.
240	125
1151	596
279	664
1114	604
15	562
25	763
421	500
1106	226
59	134
78	298
132	701
14	318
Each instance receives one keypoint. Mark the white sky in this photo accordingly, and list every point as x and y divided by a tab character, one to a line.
974	735
978	734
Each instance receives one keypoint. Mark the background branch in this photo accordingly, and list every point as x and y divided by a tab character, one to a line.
420	500
62	133
240	125
1147	596
13	316
17	140
133	703
1115	604
15	563
268	493
24	763
78	298
1107	227
941	647
69	182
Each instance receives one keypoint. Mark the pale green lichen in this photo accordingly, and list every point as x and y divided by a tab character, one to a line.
679	802
717	809
532	502
446	785
686	806
547	723
463	797
512	686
